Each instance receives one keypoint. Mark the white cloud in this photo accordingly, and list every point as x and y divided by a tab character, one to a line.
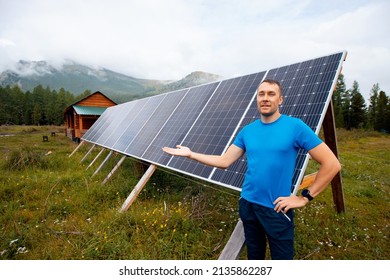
6	43
169	39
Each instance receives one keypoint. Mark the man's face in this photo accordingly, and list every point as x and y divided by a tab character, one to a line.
268	99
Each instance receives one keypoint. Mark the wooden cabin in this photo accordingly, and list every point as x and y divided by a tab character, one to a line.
80	116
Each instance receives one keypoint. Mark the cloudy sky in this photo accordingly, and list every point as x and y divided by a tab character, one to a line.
169	39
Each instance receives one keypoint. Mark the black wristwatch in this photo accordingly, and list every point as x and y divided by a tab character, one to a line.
306	193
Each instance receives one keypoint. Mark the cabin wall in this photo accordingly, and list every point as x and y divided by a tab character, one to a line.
96	100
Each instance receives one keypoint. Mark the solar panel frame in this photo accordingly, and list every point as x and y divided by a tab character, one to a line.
126	113
312	76
178	124
212	130
154	124
111	124
128	130
96	127
236	172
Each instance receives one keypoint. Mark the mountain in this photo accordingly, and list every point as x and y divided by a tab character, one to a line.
193	79
77	78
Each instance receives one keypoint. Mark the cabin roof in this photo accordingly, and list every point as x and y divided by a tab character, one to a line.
89	110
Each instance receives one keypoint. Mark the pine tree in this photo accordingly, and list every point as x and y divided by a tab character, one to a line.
5	106
373	107
383	112
37	104
358	107
346	108
17	97
387	115
64	99
27	109
337	101
354	107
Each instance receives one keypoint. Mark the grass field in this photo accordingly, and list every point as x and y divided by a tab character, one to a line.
51	207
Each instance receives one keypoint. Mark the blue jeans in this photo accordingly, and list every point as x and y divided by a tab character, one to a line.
262	224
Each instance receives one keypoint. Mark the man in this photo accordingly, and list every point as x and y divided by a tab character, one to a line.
271	144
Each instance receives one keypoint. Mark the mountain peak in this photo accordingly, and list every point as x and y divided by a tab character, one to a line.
193	79
30	68
77	78
199	77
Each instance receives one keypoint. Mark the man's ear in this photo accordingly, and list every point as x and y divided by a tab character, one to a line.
280	100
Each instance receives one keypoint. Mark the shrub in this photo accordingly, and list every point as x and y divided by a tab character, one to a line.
26	157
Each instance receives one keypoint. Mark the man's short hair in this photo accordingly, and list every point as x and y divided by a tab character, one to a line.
273	82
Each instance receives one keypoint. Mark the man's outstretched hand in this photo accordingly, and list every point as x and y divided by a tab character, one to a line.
178	151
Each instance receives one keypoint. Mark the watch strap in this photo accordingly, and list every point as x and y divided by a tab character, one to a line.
306	193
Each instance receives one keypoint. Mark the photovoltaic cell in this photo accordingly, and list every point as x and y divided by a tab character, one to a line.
126	112
111	124
206	118
131	125
307	89
213	128
106	121
179	123
155	123
137	124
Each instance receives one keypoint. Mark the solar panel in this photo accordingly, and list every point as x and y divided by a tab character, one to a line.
206	118
130	124
140	113
111	124
213	128
125	112
307	90
94	132
154	123
179	123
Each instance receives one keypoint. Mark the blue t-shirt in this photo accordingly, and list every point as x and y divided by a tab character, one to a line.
271	151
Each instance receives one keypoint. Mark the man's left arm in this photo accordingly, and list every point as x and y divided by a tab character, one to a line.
329	167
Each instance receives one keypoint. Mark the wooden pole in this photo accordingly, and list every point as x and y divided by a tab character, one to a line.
98	155
137	189
103	163
331	140
78	147
90	150
235	244
114	169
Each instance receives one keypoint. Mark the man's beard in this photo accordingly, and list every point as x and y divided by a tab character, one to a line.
269	114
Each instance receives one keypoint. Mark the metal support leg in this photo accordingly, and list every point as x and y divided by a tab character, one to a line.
114	169
137	189
98	155
103	163
78	147
90	150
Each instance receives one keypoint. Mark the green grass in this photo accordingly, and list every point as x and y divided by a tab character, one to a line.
52	208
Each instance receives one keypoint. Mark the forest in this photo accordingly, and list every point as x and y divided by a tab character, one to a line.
44	106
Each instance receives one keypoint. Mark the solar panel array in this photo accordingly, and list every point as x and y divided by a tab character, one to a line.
206	118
